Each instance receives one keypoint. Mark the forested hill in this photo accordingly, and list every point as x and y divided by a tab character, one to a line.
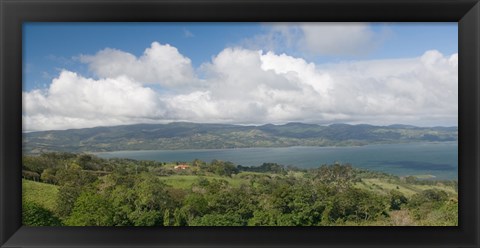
184	135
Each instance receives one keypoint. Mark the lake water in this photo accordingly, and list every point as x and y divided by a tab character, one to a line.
437	159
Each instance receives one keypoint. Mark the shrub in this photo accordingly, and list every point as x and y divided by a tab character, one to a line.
35	215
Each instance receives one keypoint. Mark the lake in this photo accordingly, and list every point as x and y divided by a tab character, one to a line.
437	159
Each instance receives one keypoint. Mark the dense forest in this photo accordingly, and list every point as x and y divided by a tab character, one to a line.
84	190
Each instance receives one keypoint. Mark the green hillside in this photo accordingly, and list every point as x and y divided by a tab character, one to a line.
41	193
45	194
182	135
375	185
93	191
383	186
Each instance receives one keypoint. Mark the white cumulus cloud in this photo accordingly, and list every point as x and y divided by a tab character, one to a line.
159	64
245	86
73	101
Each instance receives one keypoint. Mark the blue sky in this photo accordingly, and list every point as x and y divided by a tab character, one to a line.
49	47
204	54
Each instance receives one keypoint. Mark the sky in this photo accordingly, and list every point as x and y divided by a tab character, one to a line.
78	75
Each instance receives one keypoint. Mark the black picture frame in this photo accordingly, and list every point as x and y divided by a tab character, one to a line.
15	12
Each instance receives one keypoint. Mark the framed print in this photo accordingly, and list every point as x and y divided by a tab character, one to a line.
239	123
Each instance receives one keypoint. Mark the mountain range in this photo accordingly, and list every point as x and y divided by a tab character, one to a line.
186	135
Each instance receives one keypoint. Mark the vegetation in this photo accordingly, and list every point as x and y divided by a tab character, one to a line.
42	194
183	135
34	214
84	190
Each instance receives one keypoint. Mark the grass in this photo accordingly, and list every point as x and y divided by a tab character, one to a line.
46	194
425	176
449	190
40	193
186	181
379	185
384	186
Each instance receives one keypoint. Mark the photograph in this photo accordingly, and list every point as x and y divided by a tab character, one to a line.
249	124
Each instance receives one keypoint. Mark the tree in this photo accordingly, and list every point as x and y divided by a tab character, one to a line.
73	175
67	195
198	163
180	218
35	215
397	199
72	181
271	167
167	219
122	199
151	193
428	196
264	218
150	200
218	220
195	205
48	176
423	203
338	177
89	162
91	209
222	168
143	217
354	205
31	175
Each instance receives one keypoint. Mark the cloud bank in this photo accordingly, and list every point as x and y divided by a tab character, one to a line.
246	86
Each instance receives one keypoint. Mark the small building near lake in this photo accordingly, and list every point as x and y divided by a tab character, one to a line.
181	167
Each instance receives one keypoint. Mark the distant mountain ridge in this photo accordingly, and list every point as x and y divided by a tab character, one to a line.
186	135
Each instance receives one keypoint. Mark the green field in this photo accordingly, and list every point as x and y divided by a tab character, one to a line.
383	186
378	185
186	181
41	193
